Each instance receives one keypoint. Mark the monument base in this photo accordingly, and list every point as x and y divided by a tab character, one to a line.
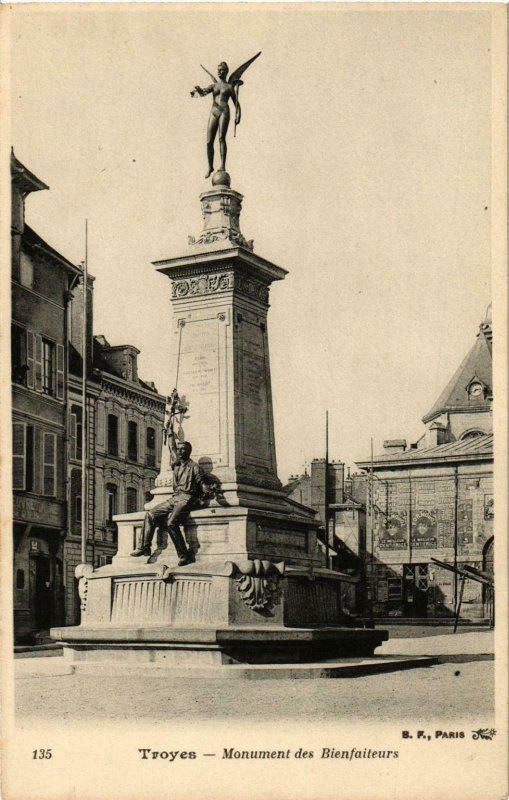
212	646
330	668
254	595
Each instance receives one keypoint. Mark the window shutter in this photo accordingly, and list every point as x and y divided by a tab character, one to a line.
131	500
60	372
18	455
73	432
29	458
38	362
49	464
30	359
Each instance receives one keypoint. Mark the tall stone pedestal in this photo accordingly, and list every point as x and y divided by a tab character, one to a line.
256	592
220	297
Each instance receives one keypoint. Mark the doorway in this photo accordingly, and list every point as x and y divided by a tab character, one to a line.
40	591
415	590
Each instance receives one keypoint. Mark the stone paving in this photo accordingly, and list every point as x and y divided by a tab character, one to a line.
464	643
45	688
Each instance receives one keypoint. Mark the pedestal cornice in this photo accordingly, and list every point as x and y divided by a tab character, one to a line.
238	258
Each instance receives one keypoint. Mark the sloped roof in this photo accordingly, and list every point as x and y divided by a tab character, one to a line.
470	449
26	180
476	364
32	239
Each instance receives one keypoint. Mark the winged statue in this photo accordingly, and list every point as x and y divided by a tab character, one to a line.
223	90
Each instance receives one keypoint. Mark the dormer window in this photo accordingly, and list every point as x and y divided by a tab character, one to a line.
472	434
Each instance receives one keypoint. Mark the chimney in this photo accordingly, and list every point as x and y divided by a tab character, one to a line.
77	313
317	487
122	360
335	484
394	446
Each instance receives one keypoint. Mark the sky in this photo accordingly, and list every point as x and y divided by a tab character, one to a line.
364	156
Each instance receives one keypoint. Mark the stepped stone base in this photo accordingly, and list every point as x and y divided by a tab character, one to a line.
255	595
216	646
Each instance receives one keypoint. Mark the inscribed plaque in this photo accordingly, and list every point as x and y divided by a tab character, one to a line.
199	381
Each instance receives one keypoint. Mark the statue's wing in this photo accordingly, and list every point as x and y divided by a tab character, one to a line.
209	73
237	73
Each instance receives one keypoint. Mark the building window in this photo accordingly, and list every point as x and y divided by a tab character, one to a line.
49	464
473	434
77	508
48	366
111	501
20	579
394	589
112	435
19	366
151	447
132	441
23	457
421	577
131	499
26	272
76	432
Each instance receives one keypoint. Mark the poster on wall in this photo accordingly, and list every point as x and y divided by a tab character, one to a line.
424	529
445	526
489	503
392	532
465	522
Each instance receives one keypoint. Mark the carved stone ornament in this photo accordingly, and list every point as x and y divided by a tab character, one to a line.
225	234
202	284
258	582
83	572
220	282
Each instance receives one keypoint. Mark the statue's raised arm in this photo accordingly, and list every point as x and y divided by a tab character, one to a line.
223	90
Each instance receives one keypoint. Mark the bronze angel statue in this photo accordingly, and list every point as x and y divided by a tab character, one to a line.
222	90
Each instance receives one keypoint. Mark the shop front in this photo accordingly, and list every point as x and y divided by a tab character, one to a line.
38	569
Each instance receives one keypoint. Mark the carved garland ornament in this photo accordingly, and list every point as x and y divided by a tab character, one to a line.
223	234
220	282
258	583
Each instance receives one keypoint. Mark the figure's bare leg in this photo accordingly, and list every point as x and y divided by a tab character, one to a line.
211	135
223	127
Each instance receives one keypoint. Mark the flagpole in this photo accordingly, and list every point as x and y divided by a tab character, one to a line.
84	331
326	491
372	532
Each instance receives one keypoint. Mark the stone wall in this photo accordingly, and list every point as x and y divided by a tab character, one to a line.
418	518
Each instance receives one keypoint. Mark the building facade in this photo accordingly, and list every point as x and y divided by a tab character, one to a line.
346	521
123	425
41	281
124	421
434	500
